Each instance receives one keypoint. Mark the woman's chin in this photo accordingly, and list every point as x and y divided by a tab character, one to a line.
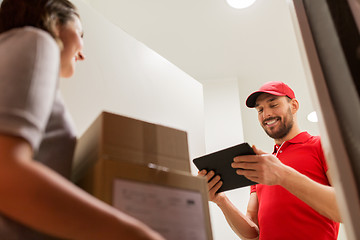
67	73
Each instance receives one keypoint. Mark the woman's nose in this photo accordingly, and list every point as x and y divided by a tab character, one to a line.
80	56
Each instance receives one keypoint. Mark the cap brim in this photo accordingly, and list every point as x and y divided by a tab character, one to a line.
251	100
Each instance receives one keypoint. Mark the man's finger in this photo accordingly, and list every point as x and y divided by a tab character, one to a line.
214	181
246	158
245	172
215	188
257	151
210	175
244	165
202	173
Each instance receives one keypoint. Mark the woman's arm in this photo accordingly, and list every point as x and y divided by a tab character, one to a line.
36	196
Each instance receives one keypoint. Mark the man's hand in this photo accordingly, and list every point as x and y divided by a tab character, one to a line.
213	185
244	226
263	168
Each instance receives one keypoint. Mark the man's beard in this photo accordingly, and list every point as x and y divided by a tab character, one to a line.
284	128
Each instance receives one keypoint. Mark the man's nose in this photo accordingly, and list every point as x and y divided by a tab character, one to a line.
266	113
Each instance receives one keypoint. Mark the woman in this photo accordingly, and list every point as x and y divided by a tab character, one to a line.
41	40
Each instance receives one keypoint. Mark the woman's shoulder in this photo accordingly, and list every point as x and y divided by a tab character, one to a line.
27	36
32	45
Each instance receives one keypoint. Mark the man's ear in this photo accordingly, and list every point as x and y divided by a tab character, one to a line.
294	105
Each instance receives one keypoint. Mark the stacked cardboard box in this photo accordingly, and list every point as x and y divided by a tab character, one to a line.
121	138
117	147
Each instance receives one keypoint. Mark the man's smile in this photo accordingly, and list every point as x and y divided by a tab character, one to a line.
271	122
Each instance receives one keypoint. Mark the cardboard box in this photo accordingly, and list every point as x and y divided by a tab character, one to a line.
173	203
143	169
127	139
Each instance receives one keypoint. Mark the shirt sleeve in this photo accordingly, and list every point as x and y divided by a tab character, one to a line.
322	158
252	188
29	70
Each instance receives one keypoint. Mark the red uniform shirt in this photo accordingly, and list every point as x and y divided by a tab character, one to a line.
281	215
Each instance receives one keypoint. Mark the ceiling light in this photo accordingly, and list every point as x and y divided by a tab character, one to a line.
239	4
312	117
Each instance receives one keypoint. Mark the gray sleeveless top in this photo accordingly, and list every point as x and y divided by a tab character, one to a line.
31	107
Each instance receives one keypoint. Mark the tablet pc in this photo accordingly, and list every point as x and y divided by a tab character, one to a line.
220	163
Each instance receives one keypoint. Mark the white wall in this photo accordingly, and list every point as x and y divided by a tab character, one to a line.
124	76
223	128
223	99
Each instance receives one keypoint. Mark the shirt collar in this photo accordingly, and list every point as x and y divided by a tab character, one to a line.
300	138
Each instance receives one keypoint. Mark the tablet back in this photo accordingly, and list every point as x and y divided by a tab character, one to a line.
220	163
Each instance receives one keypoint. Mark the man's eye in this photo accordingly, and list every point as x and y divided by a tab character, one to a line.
260	111
274	105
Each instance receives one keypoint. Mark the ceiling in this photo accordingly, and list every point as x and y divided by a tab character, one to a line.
209	40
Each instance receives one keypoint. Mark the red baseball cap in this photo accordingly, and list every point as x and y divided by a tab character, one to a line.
274	88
